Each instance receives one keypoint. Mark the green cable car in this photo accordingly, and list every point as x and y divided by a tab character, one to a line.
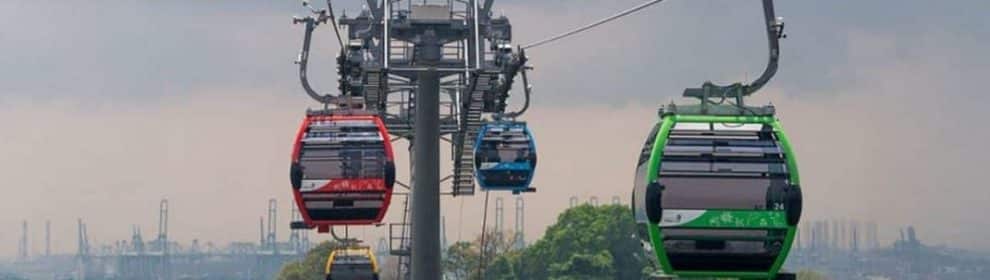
718	195
717	192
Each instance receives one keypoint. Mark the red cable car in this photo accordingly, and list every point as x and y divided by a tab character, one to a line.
342	170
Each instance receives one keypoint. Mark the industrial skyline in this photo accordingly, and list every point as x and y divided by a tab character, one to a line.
841	75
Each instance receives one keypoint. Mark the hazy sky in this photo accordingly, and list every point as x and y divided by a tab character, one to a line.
108	106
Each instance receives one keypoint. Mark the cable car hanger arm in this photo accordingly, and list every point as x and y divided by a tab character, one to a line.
527	90
517	66
303	61
775	31
347	240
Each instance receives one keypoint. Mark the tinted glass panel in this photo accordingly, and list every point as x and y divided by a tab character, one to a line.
343	150
714	193
505	143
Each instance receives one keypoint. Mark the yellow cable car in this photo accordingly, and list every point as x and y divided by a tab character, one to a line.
352	264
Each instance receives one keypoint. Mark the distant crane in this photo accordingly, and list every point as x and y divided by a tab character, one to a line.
271	238
82	253
22	249
165	268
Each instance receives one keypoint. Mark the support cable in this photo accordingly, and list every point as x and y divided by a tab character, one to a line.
460	221
593	25
481	251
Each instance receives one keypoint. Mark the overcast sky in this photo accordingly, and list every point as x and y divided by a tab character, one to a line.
107	107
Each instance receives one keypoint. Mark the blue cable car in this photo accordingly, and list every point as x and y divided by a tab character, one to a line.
505	157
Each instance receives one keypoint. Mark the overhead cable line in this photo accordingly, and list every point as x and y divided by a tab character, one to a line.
484	230
593	25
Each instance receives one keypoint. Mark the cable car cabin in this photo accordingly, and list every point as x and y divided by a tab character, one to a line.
352	264
505	157
718	196
342	170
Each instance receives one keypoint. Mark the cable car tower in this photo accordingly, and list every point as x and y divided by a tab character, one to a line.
429	70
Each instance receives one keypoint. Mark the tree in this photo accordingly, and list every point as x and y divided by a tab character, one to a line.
585	266
503	267
586	242
463	258
588	235
310	267
296	271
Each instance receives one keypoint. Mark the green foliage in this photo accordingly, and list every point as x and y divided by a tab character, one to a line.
310	267
503	268
584	266
586	239
461	260
586	242
296	271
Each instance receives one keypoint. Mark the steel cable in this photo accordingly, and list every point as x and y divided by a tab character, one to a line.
333	21
593	25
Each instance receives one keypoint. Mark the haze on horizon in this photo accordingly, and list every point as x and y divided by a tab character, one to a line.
106	107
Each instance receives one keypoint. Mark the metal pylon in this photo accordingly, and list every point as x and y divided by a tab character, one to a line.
428	70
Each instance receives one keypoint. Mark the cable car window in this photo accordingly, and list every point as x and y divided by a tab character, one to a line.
497	152
349	149
644	154
715	193
505	156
